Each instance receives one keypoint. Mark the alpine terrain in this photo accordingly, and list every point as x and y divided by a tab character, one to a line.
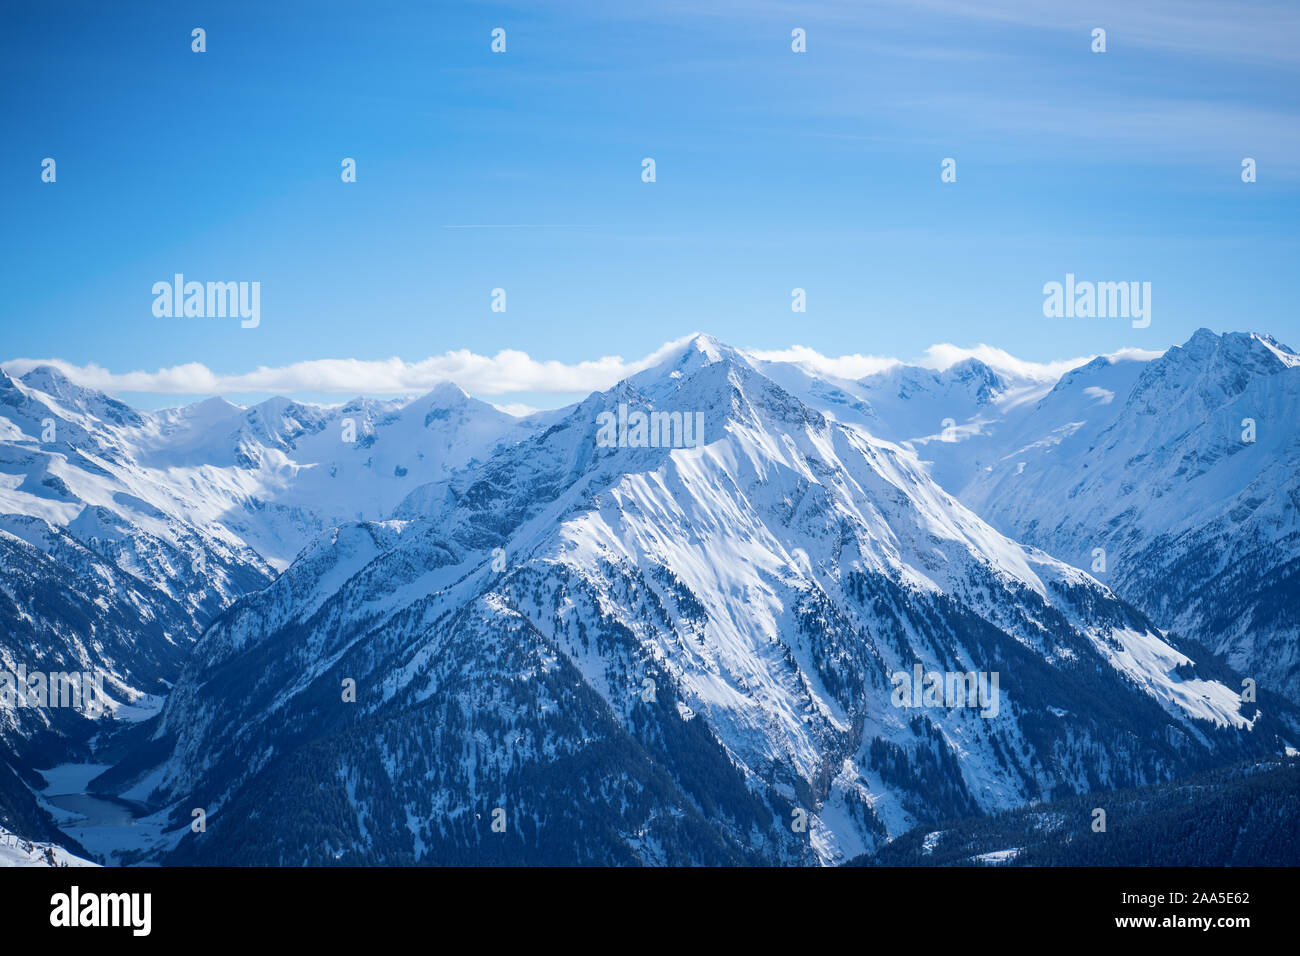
730	611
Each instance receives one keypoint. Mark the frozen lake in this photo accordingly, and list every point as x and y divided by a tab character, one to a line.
93	811
106	827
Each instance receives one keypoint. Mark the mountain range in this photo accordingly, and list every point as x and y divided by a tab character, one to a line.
425	631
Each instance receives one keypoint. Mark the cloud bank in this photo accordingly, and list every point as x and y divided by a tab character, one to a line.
508	372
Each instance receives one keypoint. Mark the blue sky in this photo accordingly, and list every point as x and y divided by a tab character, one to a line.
522	171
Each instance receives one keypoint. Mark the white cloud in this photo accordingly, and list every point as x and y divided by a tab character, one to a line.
945	355
508	372
846	366
515	409
939	357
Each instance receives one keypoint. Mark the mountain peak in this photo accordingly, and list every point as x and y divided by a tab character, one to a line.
48	379
213	405
687	356
1237	348
445	393
708	346
983	380
1284	354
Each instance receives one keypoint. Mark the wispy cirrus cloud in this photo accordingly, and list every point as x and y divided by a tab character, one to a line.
1253	31
1247	30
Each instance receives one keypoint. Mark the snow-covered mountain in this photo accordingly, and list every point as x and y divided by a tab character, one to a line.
17	851
281	472
667	655
948	416
1188	479
436	633
69	458
124	533
1174	478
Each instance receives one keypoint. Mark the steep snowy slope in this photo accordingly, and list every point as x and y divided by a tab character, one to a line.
958	420
215	480
281	472
16	851
68	457
1187	476
1139	455
64	609
668	655
97	579
123	533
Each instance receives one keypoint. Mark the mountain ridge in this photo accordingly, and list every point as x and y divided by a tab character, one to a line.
522	581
